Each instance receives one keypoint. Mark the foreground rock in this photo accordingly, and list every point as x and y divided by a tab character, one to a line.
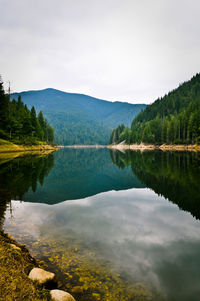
41	276
58	295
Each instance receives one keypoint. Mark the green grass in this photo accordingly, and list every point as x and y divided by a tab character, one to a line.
5	142
7	146
14	268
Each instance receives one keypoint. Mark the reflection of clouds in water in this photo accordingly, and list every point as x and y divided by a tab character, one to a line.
139	214
133	214
137	230
28	217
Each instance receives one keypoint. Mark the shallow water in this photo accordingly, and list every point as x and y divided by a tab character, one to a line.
121	226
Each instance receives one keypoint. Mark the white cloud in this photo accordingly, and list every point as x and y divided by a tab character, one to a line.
127	50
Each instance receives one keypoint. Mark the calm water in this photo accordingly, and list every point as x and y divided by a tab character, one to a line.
112	225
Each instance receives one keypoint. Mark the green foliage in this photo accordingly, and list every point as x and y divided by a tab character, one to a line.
21	125
115	135
173	119
4	142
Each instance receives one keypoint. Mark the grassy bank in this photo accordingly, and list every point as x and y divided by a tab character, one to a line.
15	264
7	146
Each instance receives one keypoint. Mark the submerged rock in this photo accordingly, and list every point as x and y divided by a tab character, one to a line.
41	276
97	296
15	247
77	289
58	295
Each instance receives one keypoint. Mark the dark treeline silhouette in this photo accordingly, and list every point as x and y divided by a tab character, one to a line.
21	125
174	175
21	174
172	119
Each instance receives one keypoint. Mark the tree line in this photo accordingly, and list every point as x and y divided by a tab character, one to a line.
21	125
172	119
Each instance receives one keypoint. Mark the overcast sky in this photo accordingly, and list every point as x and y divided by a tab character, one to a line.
127	50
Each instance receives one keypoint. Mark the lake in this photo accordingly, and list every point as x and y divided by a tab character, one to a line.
112	225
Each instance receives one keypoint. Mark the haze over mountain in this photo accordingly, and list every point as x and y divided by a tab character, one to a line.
78	118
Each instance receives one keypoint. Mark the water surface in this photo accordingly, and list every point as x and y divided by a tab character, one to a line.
112	225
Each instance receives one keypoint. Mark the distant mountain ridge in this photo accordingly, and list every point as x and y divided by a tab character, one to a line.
79	118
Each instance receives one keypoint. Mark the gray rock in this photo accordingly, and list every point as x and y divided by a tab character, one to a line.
58	295
41	276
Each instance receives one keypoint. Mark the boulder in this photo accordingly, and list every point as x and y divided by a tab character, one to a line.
41	276
58	295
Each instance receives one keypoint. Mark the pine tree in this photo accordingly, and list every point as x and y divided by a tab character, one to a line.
19	124
42	124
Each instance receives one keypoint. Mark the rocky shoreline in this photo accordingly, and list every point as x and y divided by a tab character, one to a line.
163	147
21	278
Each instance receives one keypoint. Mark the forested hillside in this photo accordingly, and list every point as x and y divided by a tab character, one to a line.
174	118
21	125
78	118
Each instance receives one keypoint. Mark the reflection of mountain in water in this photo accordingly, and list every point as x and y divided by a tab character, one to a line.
174	175
79	173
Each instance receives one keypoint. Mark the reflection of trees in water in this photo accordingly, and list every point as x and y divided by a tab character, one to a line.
121	159
80	173
18	175
3	207
174	175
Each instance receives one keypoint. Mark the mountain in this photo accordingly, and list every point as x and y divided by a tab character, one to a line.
78	118
174	118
